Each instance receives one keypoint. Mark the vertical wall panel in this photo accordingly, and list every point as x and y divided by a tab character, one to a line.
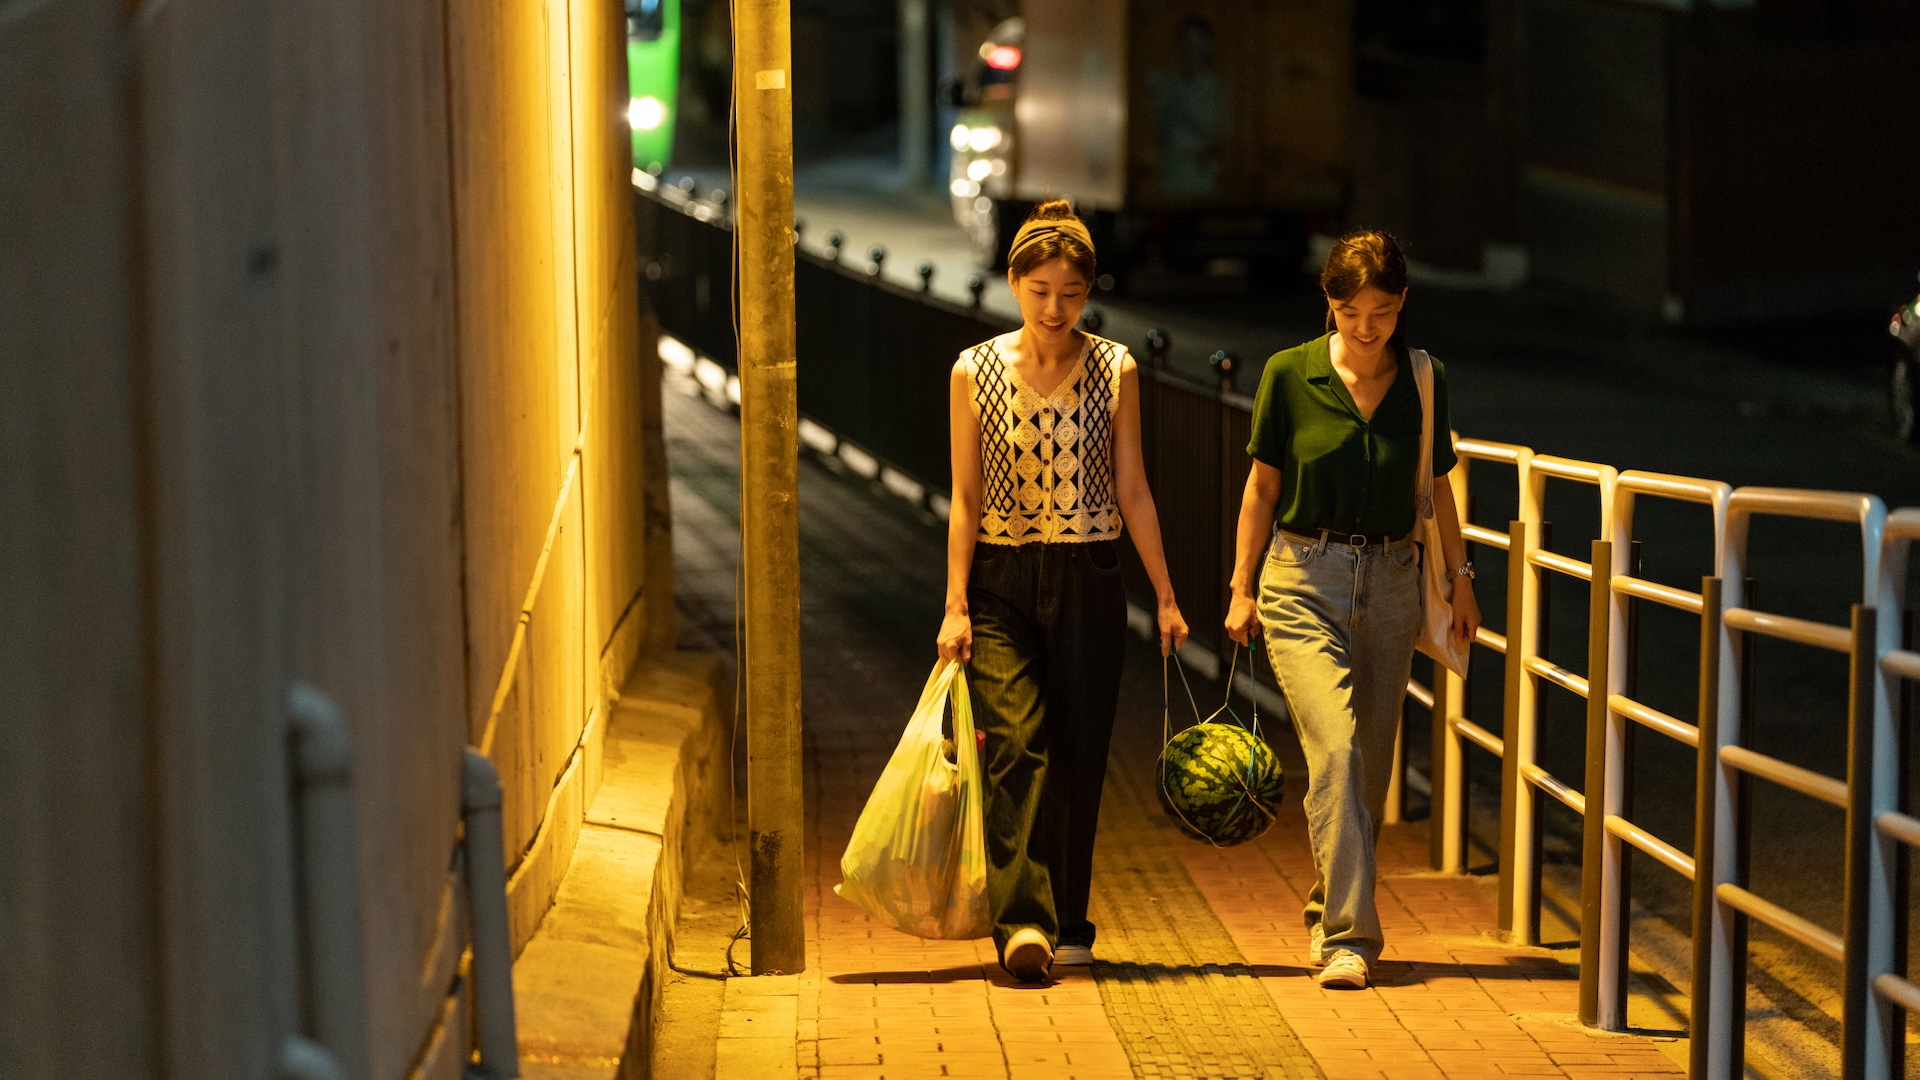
365	245
75	926
216	423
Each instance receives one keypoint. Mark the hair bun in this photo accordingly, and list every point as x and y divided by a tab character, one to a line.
1053	210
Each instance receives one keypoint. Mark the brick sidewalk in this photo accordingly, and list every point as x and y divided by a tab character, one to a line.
1449	1000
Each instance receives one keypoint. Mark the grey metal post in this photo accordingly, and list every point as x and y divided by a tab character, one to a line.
1595	838
1706	769
485	849
1510	781
1857	994
329	878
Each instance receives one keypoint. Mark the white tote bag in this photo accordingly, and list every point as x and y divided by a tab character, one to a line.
1436	585
917	861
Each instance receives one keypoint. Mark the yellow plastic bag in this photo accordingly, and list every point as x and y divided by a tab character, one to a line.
918	858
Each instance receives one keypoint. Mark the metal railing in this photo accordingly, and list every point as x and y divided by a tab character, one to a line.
1734	903
1523	779
1449	762
1194	440
1624	714
1878	991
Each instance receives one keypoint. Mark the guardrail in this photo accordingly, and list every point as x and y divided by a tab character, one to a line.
1623	716
1734	903
862	338
1877	989
1453	728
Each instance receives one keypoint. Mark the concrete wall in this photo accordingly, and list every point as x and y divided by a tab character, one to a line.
321	359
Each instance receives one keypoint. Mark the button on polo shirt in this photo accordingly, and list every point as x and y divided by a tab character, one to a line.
1340	471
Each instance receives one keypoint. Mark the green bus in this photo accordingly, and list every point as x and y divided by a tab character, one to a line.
653	79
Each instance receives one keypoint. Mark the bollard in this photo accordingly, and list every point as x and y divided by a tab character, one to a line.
925	270
976	285
876	259
834	242
799	230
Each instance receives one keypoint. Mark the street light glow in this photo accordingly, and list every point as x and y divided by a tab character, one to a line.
983	139
645	114
960	136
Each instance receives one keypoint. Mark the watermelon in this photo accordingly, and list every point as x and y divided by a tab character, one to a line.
1219	783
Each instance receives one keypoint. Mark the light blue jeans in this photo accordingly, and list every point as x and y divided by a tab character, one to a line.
1340	623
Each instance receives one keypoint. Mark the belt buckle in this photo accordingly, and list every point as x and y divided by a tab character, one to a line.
1357	541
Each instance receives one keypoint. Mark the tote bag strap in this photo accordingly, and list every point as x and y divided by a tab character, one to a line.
1423	378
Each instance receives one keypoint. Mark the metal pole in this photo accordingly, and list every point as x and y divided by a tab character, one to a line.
1706	770
769	479
1857	993
1511	785
329	878
1598	846
496	1032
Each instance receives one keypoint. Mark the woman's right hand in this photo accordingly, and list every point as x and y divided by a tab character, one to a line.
1243	619
956	637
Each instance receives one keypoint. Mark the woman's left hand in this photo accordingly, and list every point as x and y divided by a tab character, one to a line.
1173	626
1466	610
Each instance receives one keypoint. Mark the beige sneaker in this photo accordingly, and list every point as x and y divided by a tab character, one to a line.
1028	957
1346	970
1073	956
1317	944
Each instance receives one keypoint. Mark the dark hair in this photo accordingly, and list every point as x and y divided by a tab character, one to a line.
1359	259
1057	246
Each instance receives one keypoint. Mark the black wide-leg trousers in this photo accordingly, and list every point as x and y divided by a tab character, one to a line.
1049	634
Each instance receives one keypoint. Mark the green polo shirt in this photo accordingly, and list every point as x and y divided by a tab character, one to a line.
1338	471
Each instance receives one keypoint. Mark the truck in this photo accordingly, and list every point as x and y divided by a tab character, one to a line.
1195	136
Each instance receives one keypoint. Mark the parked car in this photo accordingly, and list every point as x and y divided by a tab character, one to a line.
1905	329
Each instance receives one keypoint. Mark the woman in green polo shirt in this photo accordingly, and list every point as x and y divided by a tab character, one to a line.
1330	502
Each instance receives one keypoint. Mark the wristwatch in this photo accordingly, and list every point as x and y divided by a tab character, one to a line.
1464	570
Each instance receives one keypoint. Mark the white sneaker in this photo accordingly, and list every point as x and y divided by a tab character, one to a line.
1317	944
1345	970
1027	956
1073	956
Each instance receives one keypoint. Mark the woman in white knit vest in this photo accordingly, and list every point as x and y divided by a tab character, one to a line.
1046	467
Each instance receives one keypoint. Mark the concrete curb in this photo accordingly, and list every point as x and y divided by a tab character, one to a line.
588	983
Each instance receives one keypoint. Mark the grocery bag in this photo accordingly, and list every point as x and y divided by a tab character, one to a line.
918	858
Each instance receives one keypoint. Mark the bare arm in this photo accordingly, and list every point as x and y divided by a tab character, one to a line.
1250	547
1137	509
963	520
1453	550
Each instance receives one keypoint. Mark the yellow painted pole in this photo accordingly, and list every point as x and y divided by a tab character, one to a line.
769	478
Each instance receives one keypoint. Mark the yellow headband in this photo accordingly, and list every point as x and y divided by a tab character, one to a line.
1035	231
